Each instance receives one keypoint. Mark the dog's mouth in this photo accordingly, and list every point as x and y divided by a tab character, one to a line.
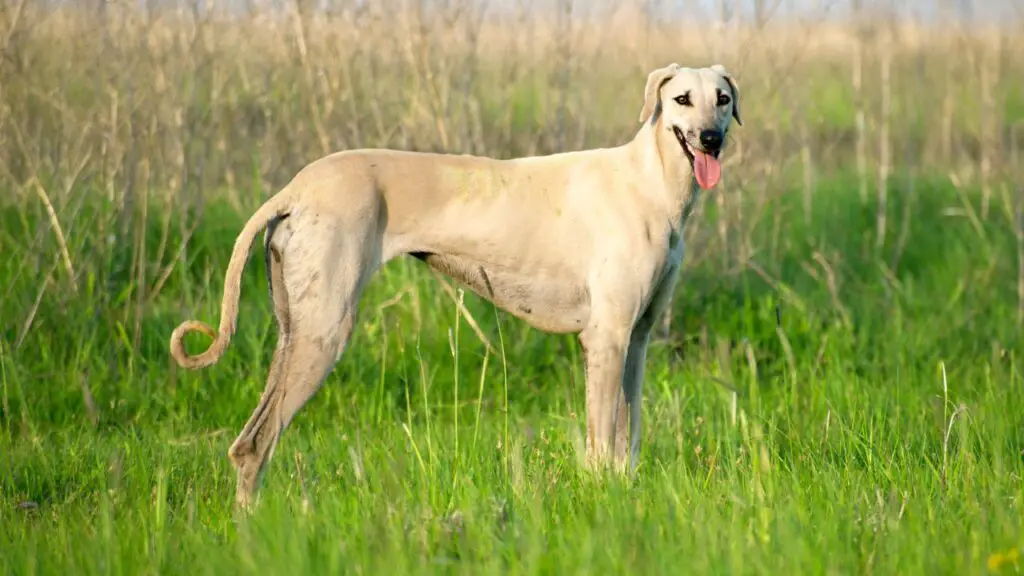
706	167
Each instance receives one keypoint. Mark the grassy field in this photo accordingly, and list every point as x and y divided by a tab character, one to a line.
836	389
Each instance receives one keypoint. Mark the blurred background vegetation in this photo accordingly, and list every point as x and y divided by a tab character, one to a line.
136	137
835	389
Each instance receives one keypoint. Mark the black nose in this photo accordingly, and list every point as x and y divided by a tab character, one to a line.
711	140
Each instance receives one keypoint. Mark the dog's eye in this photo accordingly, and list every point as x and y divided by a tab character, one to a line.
683	99
723	99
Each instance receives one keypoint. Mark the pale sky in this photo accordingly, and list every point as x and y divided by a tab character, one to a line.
978	10
1007	11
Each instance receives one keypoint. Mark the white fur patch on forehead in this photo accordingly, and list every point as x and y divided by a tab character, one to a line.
689	78
678	79
705	83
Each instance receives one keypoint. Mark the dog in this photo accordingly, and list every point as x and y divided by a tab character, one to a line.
587	242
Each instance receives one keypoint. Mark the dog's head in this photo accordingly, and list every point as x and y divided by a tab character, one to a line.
698	106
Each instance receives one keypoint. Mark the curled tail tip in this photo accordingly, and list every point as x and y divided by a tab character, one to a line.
201	360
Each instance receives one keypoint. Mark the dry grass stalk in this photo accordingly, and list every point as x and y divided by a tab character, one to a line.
1019	230
807	165
307	69
951	27
12	21
31	317
833	289
92	411
988	76
461	307
58	231
884	142
857	81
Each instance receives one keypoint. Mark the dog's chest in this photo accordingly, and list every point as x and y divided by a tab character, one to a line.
675	245
657	293
665	255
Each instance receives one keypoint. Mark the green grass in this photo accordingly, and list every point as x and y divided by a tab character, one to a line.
875	427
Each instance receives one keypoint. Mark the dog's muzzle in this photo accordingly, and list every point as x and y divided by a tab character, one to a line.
703	157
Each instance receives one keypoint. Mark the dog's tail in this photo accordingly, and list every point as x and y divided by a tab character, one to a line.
273	208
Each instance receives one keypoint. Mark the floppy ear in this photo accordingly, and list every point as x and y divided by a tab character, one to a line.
735	91
652	92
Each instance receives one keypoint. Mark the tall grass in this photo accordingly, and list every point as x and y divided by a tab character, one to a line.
834	390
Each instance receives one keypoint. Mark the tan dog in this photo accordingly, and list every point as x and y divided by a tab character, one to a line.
585	242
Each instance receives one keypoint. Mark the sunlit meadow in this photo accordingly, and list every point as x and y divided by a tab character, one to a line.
836	389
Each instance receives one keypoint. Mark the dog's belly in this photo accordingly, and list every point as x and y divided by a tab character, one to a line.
546	302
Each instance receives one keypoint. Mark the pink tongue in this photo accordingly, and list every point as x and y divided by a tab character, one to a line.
707	169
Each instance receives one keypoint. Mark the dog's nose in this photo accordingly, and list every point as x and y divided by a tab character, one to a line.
711	140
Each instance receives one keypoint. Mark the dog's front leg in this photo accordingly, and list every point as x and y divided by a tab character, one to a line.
627	421
605	358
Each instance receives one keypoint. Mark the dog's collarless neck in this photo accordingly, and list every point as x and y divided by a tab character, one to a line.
660	151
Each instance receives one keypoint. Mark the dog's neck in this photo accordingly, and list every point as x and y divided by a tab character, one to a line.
658	151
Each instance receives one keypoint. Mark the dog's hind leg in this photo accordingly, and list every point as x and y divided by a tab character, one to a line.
316	295
253	441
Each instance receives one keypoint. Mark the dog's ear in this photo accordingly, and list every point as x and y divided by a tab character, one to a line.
735	91
652	92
